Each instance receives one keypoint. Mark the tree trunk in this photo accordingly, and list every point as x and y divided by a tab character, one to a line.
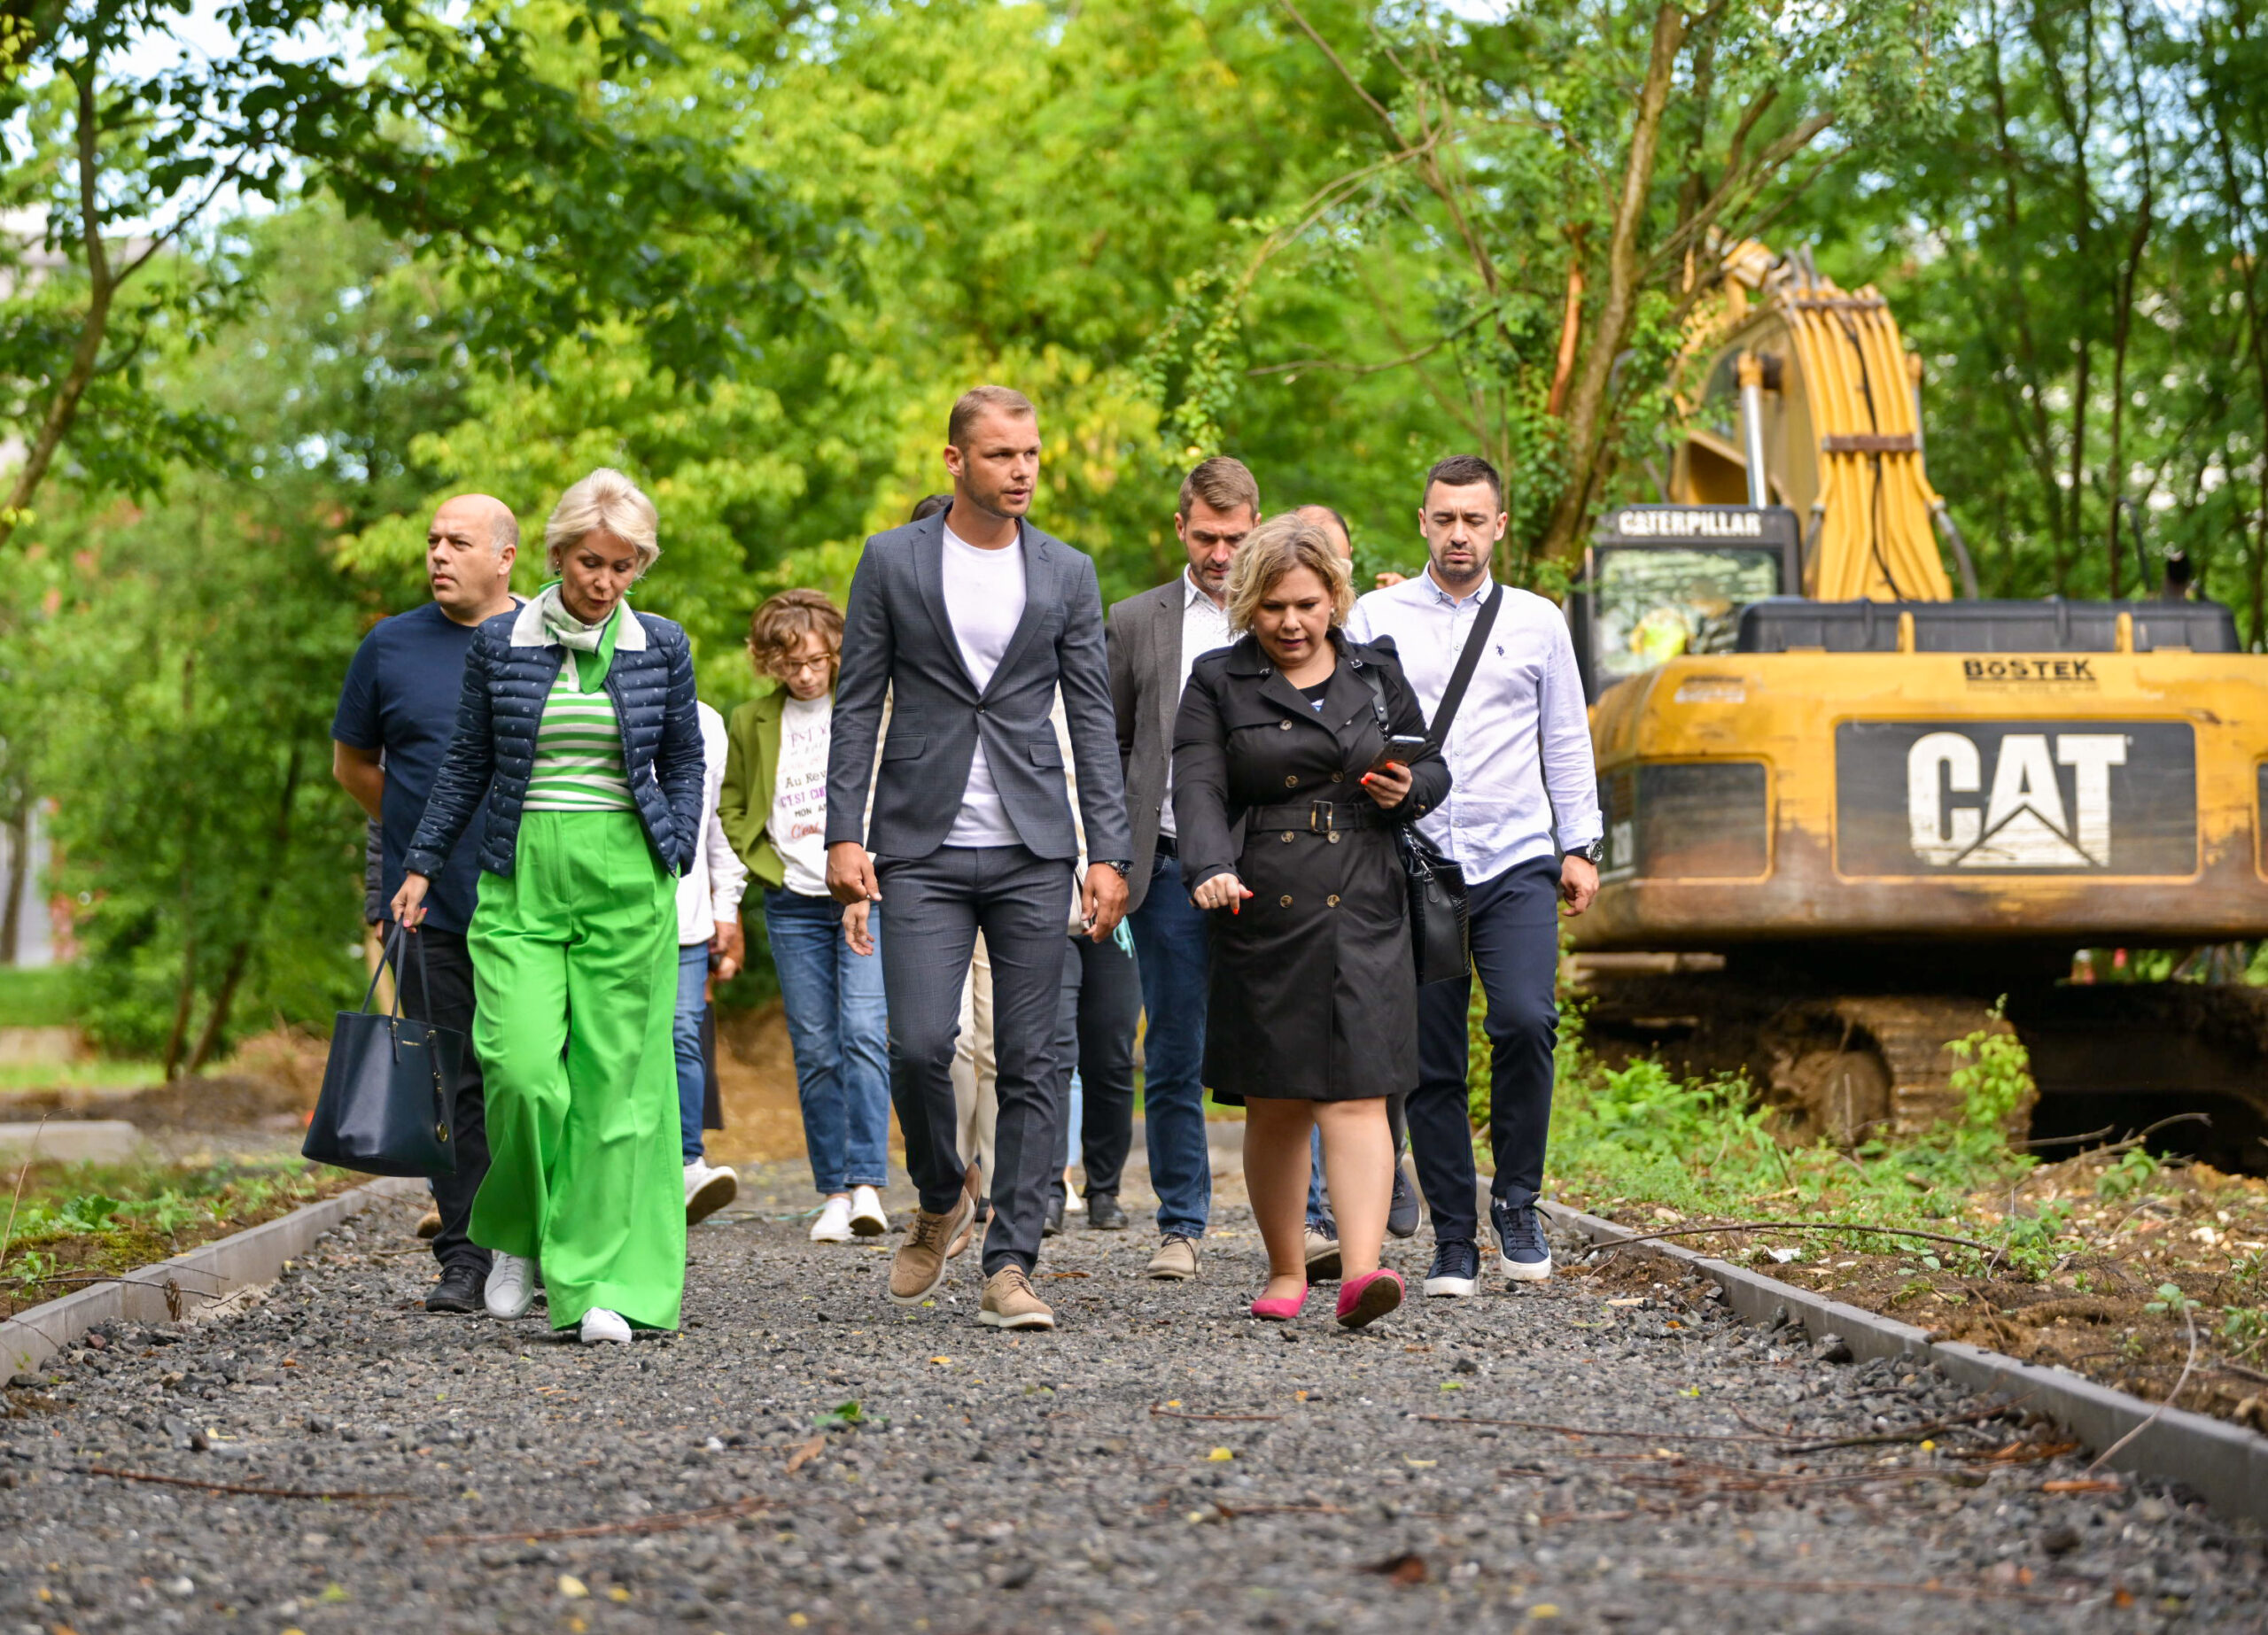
16	834
63	408
1588	410
185	994
224	997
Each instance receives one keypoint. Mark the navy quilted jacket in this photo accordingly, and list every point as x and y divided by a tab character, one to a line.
508	671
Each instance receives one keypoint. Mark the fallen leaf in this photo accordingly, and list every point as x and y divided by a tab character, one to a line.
2081	1484
1421	1464
943	1363
1067	1273
804	1454
1405	1569
1220	1453
573	1588
1543	1609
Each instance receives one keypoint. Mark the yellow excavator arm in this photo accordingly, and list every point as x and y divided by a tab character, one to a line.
1825	393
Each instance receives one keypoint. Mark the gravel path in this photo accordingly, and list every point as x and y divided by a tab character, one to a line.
1038	1483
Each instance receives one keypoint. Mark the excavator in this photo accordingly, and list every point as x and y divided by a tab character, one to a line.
1852	816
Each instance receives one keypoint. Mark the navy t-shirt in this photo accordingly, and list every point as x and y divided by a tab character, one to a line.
401	698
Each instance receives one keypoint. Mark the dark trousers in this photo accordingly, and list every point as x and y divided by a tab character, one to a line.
1094	1032
445	999
1516	953
936	905
1171	944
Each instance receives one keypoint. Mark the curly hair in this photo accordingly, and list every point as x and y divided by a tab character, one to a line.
781	623
1279	546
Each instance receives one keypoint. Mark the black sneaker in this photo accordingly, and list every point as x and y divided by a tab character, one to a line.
1526	1258
459	1290
1456	1271
1401	1213
1104	1214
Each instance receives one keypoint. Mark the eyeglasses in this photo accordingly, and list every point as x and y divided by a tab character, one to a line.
797	667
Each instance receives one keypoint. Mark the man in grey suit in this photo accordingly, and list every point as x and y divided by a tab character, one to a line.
972	620
1155	637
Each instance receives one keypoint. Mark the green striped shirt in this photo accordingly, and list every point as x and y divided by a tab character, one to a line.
577	752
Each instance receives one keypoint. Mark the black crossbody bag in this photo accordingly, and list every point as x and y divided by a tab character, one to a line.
1440	914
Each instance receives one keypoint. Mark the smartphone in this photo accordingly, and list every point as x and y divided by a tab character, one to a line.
1399	749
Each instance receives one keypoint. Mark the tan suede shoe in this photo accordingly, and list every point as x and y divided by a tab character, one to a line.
1009	1302
1176	1260
919	1266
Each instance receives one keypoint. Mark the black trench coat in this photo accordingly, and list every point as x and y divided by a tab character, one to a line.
1314	997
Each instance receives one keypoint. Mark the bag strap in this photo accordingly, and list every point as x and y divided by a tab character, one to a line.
389	954
1467	659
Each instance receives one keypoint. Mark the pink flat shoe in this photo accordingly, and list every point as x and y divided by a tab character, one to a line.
1367	1299
1280	1310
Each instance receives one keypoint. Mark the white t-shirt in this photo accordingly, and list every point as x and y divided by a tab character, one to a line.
797	825
984	598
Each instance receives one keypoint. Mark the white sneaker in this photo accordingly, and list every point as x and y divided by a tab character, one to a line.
511	1286
708	1190
602	1327
867	1219
834	1223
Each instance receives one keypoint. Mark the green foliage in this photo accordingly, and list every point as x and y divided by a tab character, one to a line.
34	998
1993	1080
2172	1302
2133	1171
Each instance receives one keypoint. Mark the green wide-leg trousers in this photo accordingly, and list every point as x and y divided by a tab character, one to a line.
574	959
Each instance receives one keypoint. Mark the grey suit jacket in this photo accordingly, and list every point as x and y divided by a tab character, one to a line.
897	639
1145	641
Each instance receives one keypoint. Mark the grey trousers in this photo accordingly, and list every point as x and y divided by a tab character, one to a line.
937	906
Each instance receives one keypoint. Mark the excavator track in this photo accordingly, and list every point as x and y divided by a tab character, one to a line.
1847	1067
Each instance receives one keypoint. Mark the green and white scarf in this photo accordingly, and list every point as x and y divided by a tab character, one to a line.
592	644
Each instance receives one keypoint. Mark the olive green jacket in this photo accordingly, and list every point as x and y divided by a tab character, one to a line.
751	767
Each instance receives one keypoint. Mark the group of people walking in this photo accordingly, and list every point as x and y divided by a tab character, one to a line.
963	765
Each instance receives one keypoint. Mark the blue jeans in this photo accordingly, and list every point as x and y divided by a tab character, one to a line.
838	1027
1171	941
692	1073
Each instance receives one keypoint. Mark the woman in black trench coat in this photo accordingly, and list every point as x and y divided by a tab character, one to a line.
1285	799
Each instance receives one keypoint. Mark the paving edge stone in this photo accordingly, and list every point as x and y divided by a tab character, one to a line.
203	1275
2225	1464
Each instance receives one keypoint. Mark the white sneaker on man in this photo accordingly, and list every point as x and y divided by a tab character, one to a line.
834	1223
511	1286
708	1190
602	1327
868	1217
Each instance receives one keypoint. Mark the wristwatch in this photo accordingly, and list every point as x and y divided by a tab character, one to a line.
1114	862
1594	854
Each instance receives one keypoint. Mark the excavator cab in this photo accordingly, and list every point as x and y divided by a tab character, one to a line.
1668	581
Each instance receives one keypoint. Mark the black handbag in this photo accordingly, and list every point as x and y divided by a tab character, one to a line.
1440	915
388	1087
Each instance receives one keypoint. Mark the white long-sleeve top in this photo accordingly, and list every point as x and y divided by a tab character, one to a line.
710	890
1519	750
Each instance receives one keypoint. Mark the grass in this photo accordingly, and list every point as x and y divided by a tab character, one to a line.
35	996
16	1078
77	1223
1639	1138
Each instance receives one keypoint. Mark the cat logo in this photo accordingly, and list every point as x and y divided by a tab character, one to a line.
2025	822
2015	797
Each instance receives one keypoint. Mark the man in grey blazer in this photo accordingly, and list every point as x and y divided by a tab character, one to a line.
1155	637
972	620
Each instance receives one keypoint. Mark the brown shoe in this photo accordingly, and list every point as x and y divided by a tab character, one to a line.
1323	1257
1176	1260
1009	1302
919	1266
429	1224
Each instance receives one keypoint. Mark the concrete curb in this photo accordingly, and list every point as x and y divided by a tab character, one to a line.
2225	1464
204	1274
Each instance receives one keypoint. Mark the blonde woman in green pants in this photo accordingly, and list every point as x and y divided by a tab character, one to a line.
578	723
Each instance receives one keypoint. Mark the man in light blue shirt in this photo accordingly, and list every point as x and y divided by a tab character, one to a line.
1522	821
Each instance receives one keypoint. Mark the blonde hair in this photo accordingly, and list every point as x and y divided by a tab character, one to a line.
604	500
1281	545
781	621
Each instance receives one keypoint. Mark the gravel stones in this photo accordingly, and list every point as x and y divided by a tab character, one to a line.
1161	1461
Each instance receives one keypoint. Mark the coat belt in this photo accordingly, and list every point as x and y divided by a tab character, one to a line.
1318	816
